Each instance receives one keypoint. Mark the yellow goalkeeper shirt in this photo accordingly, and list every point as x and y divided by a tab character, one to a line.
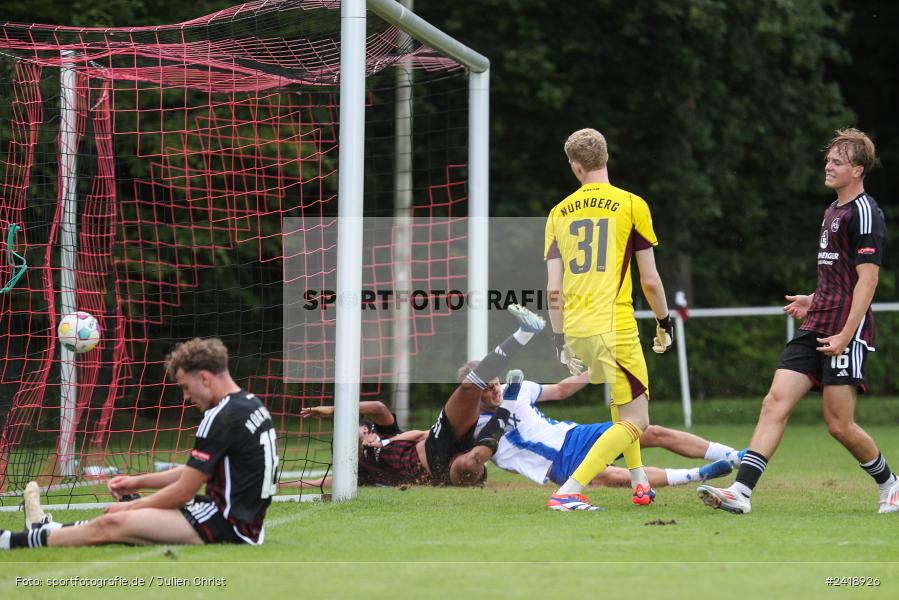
595	231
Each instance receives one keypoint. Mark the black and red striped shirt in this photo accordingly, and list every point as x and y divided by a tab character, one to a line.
851	234
394	464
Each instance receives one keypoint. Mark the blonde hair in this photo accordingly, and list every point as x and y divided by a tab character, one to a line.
855	146
198	355
588	147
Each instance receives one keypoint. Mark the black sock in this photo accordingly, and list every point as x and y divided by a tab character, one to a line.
491	433
34	538
751	469
495	362
878	469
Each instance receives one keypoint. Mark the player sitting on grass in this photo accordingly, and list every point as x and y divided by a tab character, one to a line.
234	455
449	453
544	449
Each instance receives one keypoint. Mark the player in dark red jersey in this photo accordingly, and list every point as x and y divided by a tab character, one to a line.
448	453
235	456
837	333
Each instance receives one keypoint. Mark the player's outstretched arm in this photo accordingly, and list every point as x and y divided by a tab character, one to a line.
375	409
565	388
414	435
307	483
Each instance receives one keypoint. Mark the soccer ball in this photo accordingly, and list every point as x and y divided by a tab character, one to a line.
79	332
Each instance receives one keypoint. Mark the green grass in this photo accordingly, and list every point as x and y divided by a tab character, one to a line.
814	516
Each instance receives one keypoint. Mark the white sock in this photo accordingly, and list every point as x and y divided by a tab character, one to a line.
717	451
51	526
638	476
523	337
572	486
682	476
4	540
741	489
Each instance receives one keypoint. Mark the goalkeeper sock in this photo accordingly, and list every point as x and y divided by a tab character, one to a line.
496	362
634	462
718	451
572	486
632	456
638	477
605	450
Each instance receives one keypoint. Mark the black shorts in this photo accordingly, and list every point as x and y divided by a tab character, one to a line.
441	446
801	355
206	519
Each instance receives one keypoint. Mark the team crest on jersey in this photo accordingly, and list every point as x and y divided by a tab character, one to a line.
824	239
835	225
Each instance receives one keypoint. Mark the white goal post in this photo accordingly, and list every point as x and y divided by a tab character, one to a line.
350	210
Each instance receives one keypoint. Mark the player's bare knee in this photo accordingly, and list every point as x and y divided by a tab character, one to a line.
774	406
108	528
838	429
653	435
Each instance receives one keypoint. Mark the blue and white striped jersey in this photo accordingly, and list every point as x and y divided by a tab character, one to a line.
532	441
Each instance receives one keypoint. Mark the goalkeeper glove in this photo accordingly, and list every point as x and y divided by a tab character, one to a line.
664	338
566	356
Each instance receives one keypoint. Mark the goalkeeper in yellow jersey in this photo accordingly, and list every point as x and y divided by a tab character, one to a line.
591	237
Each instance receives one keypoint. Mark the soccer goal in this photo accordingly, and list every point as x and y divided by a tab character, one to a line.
159	178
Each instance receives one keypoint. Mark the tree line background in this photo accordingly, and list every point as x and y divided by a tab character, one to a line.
716	112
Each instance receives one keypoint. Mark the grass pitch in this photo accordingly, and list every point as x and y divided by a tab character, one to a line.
814	516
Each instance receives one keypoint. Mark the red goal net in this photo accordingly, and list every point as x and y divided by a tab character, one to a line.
146	176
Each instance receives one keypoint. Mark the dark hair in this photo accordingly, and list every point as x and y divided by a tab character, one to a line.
198	355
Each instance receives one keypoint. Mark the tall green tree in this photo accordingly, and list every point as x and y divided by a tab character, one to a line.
715	112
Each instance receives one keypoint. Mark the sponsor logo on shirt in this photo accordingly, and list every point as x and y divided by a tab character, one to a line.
200	455
867	250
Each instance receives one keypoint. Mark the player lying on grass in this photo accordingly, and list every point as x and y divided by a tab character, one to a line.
540	448
448	453
234	455
544	449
